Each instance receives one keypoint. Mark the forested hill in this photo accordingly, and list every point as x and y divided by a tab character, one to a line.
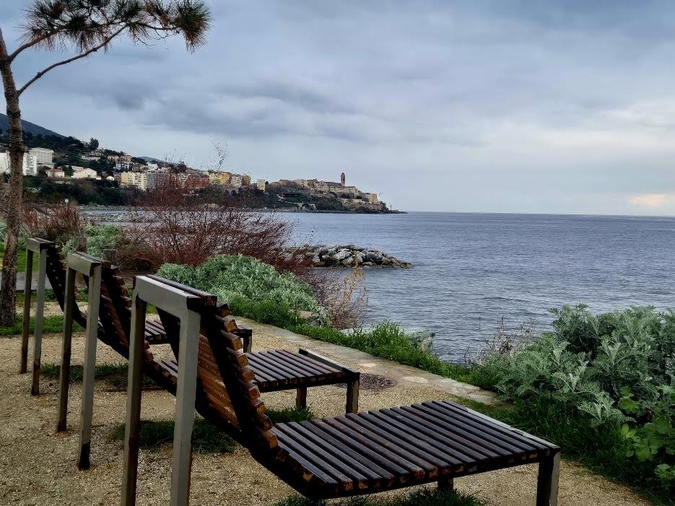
28	127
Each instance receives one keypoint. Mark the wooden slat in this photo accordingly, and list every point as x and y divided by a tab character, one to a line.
479	434
320	458
434	432
367	470
528	441
307	362
420	454
392	452
426	444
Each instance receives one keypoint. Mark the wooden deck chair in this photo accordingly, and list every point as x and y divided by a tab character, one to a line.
274	370
367	452
56	274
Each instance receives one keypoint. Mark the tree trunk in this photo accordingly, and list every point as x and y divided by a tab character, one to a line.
14	197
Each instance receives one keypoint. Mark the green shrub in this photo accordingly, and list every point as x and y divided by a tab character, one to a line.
248	283
267	311
102	237
603	387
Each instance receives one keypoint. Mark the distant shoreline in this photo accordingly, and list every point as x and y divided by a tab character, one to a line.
261	209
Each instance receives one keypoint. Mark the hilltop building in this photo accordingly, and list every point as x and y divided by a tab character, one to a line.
43	156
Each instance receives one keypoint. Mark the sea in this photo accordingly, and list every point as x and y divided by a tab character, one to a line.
474	274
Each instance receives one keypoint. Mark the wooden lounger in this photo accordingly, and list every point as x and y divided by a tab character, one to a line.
274	370
362	453
56	274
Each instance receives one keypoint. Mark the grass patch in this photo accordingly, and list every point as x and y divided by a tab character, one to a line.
50	325
113	375
426	497
290	415
206	438
50	296
21	258
387	340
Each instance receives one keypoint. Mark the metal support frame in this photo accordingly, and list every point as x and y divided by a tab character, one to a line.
548	475
353	381
184	306
39	246
91	268
547	481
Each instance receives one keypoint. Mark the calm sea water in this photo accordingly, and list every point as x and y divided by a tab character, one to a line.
473	270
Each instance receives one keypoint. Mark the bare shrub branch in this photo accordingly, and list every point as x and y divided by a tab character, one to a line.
174	224
345	298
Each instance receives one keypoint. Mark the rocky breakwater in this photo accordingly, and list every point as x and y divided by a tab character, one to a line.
350	256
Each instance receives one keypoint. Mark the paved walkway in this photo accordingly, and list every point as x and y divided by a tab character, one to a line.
21	281
363	362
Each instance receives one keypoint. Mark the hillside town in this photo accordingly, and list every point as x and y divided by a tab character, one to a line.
121	170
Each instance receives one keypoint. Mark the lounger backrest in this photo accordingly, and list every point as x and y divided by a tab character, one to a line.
227	349
115	311
221	362
56	274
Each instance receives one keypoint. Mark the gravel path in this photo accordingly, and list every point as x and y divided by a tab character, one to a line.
38	465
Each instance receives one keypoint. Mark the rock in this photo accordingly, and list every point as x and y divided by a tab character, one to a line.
348	256
342	254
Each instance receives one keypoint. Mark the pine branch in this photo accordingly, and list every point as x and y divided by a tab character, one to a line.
84	54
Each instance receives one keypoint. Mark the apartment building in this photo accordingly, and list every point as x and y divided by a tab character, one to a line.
30	164
136	179
43	156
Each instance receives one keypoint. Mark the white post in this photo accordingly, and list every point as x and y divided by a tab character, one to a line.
180	304
89	374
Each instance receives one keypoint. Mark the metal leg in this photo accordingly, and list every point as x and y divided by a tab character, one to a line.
186	395
133	420
446	483
27	294
547	481
39	317
353	396
89	368
181	304
64	379
301	398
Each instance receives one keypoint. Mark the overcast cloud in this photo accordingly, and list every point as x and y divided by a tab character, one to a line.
563	106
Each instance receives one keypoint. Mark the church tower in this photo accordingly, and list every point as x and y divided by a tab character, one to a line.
342	179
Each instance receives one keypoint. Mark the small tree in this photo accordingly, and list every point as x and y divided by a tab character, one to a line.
87	26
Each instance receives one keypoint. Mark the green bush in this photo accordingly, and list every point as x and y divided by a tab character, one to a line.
102	237
603	387
247	283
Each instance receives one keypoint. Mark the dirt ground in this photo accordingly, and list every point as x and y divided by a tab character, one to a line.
38	465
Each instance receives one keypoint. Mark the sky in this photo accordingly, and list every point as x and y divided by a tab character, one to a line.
520	106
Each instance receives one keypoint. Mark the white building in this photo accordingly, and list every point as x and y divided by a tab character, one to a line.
55	173
236	180
83	173
43	156
29	164
260	184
